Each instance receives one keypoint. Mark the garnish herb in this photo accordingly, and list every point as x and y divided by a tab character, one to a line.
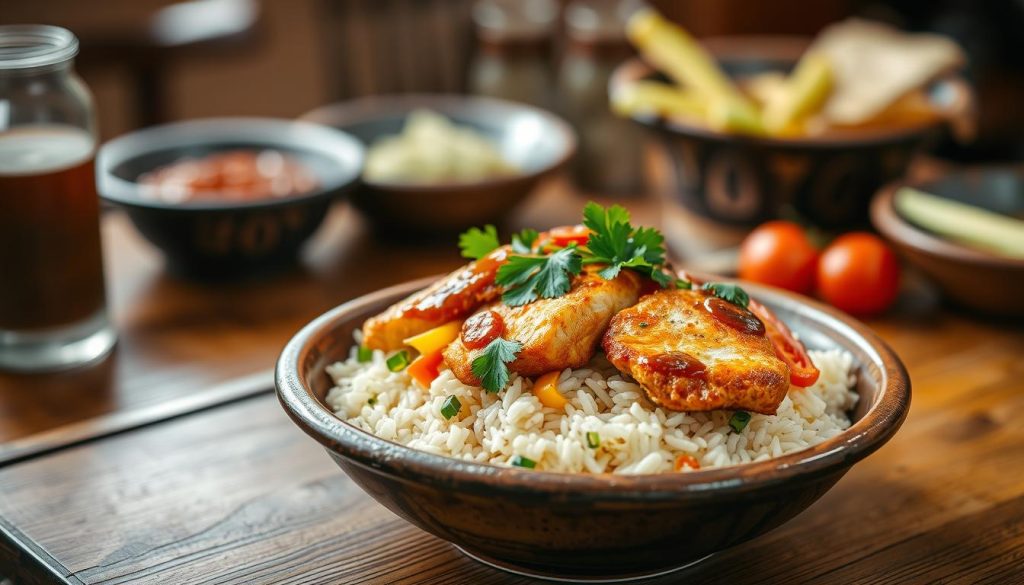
476	243
593	440
729	292
526	278
615	242
520	461
491	366
739	420
522	243
364	354
399	361
450	407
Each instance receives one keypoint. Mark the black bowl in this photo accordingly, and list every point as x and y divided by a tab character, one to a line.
727	183
535	141
213	239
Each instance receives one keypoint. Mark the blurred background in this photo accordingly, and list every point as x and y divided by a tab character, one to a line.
152	61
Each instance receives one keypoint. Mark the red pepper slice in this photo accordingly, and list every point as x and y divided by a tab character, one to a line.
564	235
802	371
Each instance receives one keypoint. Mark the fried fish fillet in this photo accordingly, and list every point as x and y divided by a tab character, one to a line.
556	333
453	297
687	359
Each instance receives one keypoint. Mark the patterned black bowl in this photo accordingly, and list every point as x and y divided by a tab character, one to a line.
737	181
213	239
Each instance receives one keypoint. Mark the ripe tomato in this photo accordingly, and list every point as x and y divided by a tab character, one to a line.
778	253
859	274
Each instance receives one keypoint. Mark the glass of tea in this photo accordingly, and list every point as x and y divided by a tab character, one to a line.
52	301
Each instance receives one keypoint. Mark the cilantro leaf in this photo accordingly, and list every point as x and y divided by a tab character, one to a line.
609	228
615	242
526	278
491	368
476	243
522	243
729	292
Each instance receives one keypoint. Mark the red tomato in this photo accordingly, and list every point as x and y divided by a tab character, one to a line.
859	274
569	234
778	253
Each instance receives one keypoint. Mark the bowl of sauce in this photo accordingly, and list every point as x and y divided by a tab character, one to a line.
227	197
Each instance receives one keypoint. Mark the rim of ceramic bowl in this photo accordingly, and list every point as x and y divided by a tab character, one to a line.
877	425
896	228
343	114
342	148
782	48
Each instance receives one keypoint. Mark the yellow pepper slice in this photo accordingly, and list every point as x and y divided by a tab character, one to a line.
435	339
545	388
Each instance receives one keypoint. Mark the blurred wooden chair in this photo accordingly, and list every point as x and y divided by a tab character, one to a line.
396	46
170	37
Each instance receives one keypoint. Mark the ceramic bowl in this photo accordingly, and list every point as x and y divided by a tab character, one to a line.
983	282
586	527
536	142
730	183
211	239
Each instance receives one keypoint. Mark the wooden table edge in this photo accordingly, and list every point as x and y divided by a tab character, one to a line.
69	435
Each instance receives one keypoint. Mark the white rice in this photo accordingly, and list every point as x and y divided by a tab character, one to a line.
635	436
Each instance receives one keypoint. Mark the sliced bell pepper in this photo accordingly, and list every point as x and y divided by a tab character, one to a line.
545	388
802	371
435	339
425	369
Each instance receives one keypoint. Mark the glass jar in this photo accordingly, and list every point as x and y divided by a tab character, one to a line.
52	298
514	51
611	149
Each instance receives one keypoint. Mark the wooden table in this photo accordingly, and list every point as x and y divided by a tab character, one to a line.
172	462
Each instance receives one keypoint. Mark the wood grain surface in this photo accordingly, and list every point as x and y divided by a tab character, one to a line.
236	494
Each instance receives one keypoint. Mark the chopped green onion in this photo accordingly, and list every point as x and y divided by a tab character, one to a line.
450	407
520	461
683	284
364	354
372	400
739	420
399	361
593	440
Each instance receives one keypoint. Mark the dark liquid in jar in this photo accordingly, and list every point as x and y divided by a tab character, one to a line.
51	265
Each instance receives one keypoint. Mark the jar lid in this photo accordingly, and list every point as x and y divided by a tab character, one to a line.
30	46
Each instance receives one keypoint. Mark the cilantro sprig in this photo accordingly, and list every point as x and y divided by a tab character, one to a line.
491	366
526	278
615	242
728	292
476	243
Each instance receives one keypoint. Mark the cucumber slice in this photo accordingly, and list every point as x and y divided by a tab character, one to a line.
967	224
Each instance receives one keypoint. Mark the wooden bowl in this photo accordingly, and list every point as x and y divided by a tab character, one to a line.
537	142
736	181
584	526
983	282
211	239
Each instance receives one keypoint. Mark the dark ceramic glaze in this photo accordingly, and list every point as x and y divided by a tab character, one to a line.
584	525
214	239
984	282
741	181
537	142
